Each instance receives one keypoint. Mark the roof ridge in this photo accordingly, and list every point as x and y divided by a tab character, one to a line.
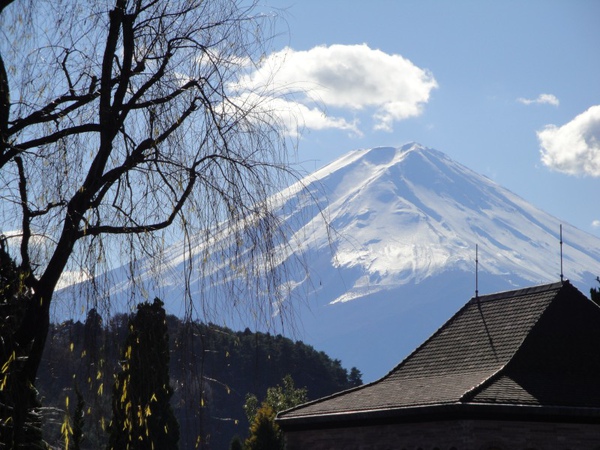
471	393
487	297
520	292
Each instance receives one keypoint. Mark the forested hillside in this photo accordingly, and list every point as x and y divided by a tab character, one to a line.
212	370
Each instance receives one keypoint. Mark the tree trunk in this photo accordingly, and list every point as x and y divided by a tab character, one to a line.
21	352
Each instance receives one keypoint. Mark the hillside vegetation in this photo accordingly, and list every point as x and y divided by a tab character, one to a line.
212	369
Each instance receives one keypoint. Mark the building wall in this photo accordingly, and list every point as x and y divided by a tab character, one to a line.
451	435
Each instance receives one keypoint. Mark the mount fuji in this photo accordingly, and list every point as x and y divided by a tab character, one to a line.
389	249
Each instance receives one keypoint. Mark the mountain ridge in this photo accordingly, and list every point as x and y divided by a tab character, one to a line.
436	235
388	240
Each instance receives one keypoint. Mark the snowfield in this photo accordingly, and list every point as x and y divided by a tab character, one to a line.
397	259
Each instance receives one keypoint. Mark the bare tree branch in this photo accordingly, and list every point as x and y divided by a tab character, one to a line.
26	217
47	114
4	4
123	125
49	139
4	106
147	228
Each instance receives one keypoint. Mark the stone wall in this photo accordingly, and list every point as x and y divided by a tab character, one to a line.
451	435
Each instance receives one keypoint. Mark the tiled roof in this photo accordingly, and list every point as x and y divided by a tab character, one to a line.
536	346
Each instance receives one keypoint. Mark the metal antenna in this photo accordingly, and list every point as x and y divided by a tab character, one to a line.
476	271
561	255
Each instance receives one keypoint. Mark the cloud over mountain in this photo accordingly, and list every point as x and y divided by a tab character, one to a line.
574	147
342	79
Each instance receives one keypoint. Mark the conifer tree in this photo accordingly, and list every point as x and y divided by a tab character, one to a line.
142	415
355	377
78	421
236	443
264	432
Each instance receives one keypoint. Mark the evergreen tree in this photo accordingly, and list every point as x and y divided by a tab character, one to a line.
142	414
355	377
78	421
264	432
92	336
236	444
214	366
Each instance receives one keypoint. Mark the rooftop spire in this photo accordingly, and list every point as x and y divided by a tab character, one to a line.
476	271
561	255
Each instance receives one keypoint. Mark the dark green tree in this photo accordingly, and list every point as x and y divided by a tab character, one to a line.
236	444
231	363
78	421
92	336
142	414
355	377
264	432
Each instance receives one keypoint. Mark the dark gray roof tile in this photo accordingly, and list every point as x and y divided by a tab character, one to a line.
494	350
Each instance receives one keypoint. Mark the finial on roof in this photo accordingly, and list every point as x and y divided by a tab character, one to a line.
476	271
561	255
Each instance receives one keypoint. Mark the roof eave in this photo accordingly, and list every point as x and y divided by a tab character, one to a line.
442	412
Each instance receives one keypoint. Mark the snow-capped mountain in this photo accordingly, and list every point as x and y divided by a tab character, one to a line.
406	225
398	257
404	215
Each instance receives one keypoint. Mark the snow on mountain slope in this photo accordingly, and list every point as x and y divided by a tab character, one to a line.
398	257
406	222
403	215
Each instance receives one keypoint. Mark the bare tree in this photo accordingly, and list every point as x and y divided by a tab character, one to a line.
119	119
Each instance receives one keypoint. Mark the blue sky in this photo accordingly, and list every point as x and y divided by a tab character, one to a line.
508	88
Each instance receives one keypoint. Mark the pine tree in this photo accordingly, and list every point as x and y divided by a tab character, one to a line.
142	415
355	377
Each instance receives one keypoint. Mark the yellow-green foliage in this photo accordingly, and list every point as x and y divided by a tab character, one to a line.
142	415
264	432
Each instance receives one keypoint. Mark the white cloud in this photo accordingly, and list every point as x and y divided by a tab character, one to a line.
573	148
292	116
347	78
596	223
542	99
